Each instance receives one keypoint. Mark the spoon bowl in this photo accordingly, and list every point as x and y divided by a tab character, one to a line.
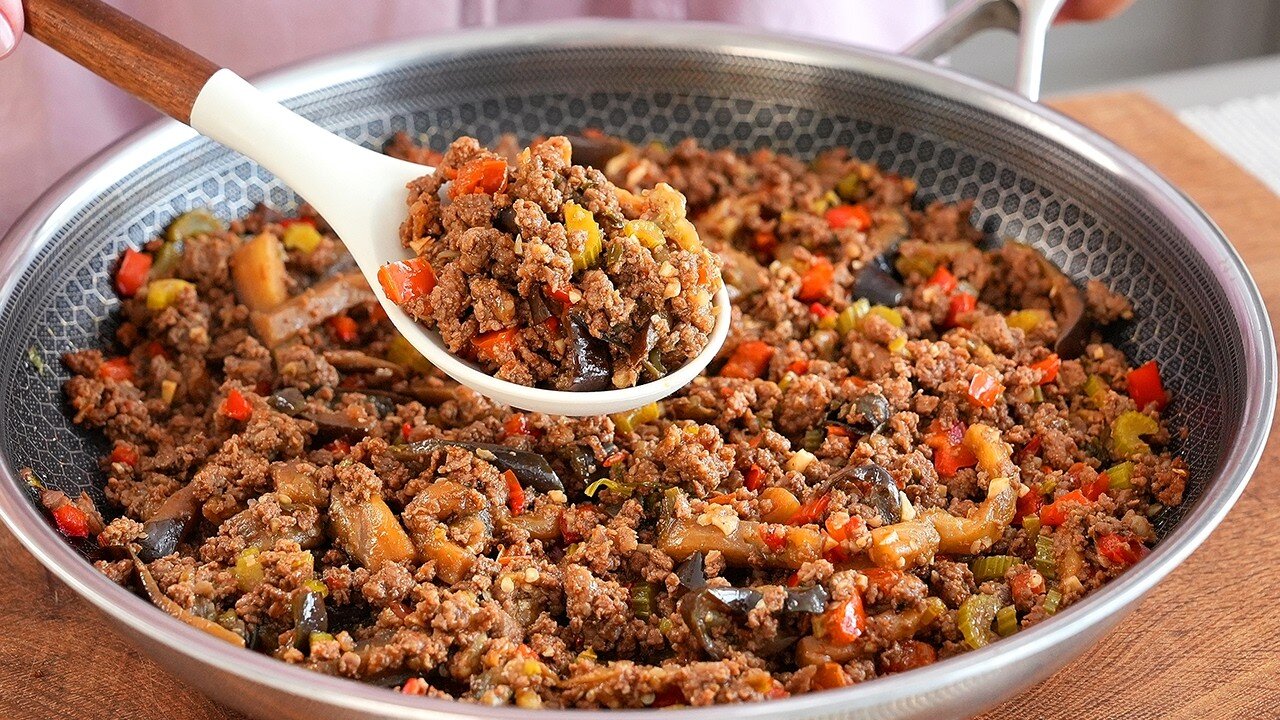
359	192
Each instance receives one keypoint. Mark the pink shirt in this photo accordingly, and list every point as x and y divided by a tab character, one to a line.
54	114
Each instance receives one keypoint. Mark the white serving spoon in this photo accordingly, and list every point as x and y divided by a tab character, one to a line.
359	192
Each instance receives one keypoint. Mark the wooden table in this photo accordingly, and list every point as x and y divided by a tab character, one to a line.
1192	651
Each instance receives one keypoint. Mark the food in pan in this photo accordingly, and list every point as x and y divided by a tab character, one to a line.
913	444
545	273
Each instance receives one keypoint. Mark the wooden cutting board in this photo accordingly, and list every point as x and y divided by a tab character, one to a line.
1202	645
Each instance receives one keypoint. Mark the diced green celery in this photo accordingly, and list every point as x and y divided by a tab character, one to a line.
1031	524
1095	388
1127	431
849	186
974	619
1026	320
1044	557
1121	476
992	567
192	223
1051	602
893	317
1007	621
642	600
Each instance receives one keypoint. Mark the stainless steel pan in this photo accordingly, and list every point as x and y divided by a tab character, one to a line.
1037	176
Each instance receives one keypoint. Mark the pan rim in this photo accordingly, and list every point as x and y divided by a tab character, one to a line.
33	230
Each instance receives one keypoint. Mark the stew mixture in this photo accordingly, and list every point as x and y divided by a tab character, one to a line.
546	273
914	442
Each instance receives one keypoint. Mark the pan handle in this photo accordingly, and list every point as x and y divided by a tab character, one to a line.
1030	19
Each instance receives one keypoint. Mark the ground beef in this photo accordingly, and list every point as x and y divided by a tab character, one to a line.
544	276
817	510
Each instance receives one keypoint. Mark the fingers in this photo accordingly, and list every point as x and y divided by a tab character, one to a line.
1092	9
10	25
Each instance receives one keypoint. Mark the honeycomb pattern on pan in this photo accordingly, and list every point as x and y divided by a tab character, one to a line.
1024	188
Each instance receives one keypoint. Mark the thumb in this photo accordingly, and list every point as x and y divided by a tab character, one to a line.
10	25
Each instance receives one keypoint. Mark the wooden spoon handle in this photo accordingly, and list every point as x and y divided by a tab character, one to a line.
122	50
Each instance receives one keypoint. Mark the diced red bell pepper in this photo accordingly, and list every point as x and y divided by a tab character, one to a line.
516	424
344	328
943	279
1029	505
775	538
288	222
765	242
155	349
798	367
984	389
843	216
479	176
1031	448
841	531
1055	513
560	295
415	686
406	280
515	493
1121	549
911	654
959	305
1095	489
822	311
615	458
406	429
1048	368
236	406
118	369
844	622
754	478
884	579
132	273
71	521
816	282
1145	387
126	454
748	361
812	511
493	345
949	459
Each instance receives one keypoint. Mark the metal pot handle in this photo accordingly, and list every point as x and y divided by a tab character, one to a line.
1030	19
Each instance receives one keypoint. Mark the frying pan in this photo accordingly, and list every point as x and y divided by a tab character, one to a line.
1036	176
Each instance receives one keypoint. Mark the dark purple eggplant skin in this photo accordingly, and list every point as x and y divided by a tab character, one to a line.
530	468
589	358
879	284
874	485
595	151
309	616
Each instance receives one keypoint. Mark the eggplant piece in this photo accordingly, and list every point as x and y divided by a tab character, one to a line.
531	469
289	401
334	425
539	311
589	359
309	616
742	273
506	221
872	413
595	151
691	572
313	306
878	282
641	350
875	485
167	604
581	459
170	523
354	361
707	613
811	600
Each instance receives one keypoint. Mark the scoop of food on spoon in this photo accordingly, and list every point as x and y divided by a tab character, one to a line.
362	195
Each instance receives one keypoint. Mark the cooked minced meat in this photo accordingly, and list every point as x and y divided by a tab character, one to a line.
545	273
898	456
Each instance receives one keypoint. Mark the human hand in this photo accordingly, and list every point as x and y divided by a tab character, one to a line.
1092	9
10	25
